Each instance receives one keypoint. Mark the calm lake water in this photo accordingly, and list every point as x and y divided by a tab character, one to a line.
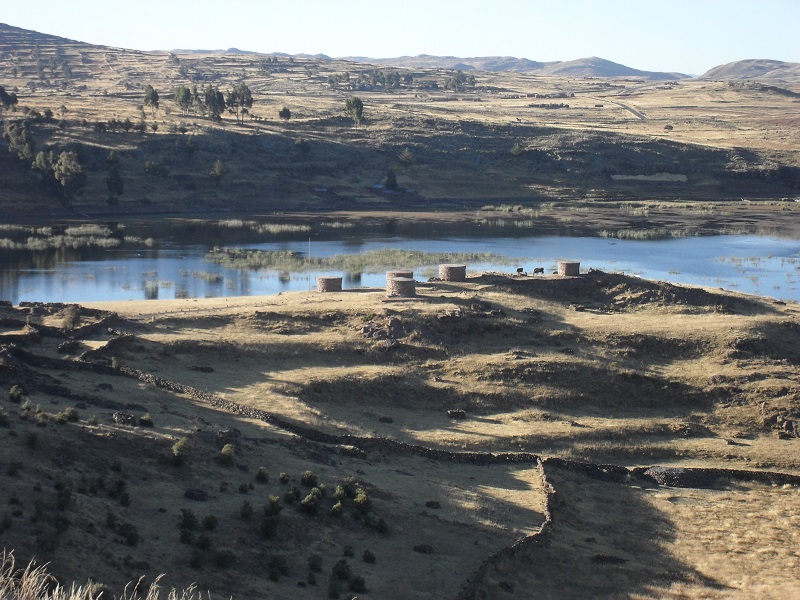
752	264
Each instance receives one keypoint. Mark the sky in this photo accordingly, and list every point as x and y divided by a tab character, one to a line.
687	36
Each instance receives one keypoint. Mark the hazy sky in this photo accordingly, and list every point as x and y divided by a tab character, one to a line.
689	36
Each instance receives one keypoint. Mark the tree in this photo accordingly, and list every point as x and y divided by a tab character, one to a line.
285	114
214	102
391	180
406	157
239	100
355	108
151	97
69	174
20	141
218	171
7	100
115	185
183	98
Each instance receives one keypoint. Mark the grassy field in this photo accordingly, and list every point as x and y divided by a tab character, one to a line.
356	388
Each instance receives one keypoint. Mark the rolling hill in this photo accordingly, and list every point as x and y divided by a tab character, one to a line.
760	69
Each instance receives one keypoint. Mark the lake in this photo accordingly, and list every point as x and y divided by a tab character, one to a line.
752	264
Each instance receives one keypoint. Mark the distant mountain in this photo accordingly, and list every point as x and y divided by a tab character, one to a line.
760	69
583	67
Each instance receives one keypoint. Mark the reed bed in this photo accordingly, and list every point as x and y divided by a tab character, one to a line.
371	261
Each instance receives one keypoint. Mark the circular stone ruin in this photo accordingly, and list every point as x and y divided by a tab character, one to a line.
403	287
566	267
453	272
392	274
329	284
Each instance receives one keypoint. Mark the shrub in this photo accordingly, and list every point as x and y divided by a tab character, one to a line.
72	317
368	557
210	522
273	507
5	420
244	488
262	476
310	504
188	520
356	583
277	566
129	533
339	493
68	415
181	450
348	551
308	478
203	541
15	394
341	570
336	510
226	454
146	421
315	562
284	478
362	502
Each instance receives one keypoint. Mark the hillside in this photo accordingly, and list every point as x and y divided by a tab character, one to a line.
774	71
583	67
476	438
451	139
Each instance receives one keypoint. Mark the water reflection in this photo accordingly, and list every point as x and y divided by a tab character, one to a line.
752	264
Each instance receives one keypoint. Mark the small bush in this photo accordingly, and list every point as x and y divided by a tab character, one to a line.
315	563
348	551
368	557
308	479
227	454
72	317
31	440
68	415
210	522
336	510
146	421
273	506
262	476
129	533
203	541
277	566
15	394
357	584
341	570
181	450
188	520
244	488
310	504
5	420
339	493
246	511
362	502
284	478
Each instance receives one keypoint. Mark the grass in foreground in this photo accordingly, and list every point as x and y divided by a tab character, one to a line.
35	583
